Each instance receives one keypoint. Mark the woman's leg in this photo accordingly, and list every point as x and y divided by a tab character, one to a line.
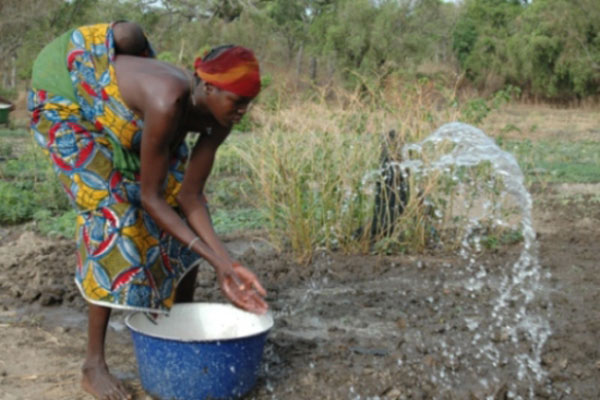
97	380
185	289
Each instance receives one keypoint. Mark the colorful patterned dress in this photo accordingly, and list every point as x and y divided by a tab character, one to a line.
124	259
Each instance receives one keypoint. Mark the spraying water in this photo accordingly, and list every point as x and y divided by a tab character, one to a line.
516	320
497	312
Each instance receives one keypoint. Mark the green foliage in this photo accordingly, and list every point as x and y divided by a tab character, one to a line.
167	56
8	133
378	38
50	224
6	150
480	36
509	237
288	19
21	199
550	48
557	160
464	38
351	40
561	49
28	185
245	124
475	110
265	80
18	202
238	219
8	93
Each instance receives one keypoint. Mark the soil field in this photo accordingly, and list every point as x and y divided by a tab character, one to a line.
347	327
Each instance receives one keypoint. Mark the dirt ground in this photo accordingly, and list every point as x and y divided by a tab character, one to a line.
347	327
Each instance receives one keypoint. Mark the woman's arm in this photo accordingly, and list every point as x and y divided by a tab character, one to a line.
191	197
155	156
192	201
239	285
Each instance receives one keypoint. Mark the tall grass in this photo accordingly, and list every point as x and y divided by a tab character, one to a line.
310	180
315	167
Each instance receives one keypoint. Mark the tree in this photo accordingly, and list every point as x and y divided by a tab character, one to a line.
379	37
549	48
557	43
480	37
16	21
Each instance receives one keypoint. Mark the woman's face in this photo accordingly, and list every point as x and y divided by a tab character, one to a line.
226	107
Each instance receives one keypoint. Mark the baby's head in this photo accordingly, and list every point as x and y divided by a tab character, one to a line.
130	39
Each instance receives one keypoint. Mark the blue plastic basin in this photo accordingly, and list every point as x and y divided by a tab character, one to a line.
199	351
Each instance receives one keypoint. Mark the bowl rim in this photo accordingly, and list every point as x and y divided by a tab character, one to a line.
268	314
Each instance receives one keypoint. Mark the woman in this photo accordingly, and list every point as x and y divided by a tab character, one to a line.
113	121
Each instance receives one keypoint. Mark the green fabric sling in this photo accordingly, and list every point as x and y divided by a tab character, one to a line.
50	71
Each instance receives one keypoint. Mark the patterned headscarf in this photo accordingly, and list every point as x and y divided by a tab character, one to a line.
235	70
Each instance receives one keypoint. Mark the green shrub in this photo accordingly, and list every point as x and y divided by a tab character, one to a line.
27	185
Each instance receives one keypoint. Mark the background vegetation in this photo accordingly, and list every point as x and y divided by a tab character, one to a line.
548	48
337	76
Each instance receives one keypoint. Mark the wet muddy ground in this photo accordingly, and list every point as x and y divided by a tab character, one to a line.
347	327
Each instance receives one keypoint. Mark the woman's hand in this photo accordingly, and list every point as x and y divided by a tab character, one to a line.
242	288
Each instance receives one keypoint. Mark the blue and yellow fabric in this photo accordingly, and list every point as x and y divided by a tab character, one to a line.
93	140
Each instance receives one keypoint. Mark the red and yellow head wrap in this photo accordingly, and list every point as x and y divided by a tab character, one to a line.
235	70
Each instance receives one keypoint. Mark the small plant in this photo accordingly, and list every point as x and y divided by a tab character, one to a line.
475	110
6	150
510	128
27	186
59	225
233	220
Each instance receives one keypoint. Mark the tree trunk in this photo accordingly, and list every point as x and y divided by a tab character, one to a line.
13	73
181	48
299	61
313	69
4	74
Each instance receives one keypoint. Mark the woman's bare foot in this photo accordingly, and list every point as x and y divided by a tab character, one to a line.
98	382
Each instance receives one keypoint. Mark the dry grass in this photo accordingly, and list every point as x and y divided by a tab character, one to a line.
315	167
540	122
